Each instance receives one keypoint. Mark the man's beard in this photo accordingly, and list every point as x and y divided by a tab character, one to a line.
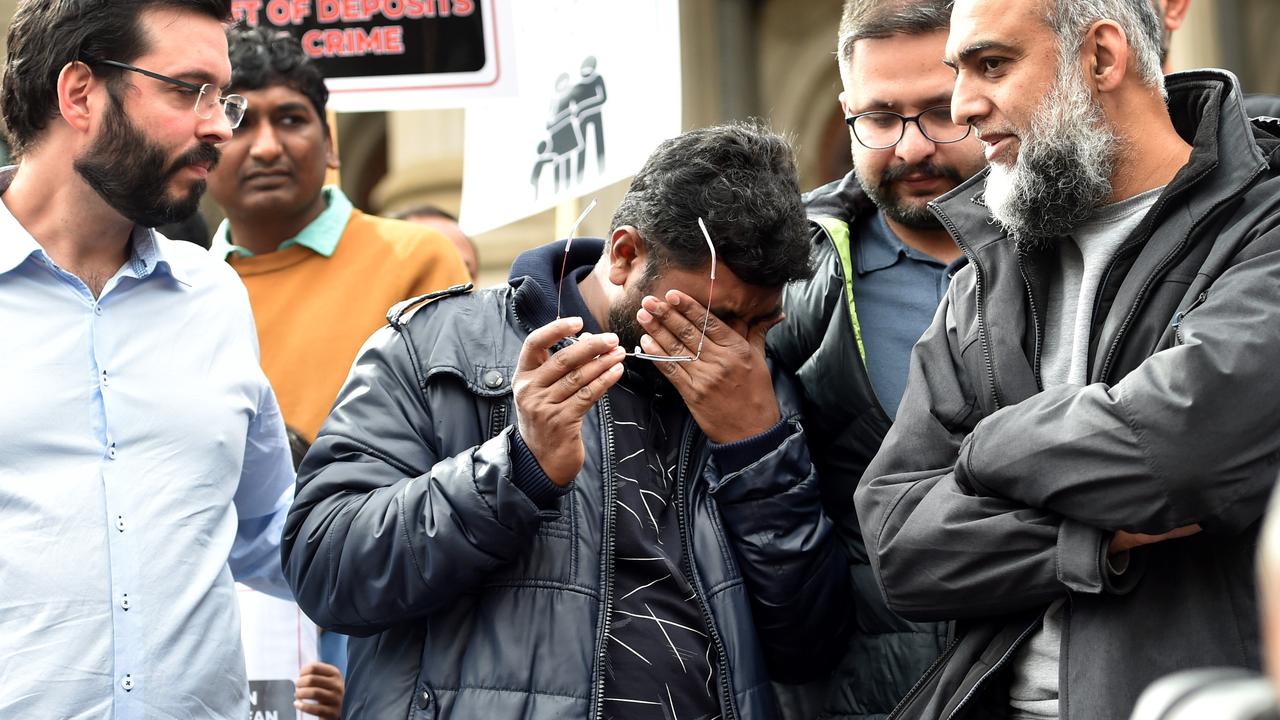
884	194
623	323
1062	172
129	172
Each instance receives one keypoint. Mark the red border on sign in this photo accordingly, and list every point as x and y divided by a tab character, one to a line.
497	59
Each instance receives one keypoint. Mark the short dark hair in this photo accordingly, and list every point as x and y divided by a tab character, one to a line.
425	210
864	19
739	177
45	35
262	58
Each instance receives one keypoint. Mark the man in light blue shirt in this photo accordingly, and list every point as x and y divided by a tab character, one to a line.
144	461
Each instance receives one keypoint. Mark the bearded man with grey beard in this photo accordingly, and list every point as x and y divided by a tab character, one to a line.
1084	448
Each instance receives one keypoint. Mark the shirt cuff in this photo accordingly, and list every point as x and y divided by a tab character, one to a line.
734	456
529	476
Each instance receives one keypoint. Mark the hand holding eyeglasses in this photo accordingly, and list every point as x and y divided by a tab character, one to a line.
728	389
553	392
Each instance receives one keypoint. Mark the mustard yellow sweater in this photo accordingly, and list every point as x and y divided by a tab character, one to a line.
314	312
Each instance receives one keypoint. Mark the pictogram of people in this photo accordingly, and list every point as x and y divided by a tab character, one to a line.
575	115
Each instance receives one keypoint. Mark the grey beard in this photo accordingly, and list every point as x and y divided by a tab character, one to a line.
1063	169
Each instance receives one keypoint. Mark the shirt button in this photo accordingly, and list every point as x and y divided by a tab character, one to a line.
104	378
97	309
120	523
111	452
126	682
493	379
124	601
424	700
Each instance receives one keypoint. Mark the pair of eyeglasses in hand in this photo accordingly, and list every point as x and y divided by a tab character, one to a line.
638	353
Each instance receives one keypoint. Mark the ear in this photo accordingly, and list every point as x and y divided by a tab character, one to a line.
844	102
1175	13
627	254
331	160
1105	53
77	99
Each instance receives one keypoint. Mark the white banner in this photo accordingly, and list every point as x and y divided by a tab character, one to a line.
599	89
278	640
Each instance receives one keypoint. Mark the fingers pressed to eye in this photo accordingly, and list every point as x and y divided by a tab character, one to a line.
572	382
693	312
665	343
534	351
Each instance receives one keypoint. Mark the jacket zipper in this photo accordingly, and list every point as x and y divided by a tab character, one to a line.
497	417
1146	285
992	670
981	312
1177	319
1035	319
606	558
682	508
937	663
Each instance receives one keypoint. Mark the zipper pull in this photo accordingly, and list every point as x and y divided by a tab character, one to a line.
1177	328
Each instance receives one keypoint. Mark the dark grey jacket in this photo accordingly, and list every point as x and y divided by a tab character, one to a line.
465	600
991	498
820	342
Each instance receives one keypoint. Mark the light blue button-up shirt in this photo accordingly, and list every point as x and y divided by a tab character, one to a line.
143	465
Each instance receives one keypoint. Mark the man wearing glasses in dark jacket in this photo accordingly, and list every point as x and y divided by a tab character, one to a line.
1088	437
883	264
580	495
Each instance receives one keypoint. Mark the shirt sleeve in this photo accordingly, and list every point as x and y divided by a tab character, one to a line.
262	502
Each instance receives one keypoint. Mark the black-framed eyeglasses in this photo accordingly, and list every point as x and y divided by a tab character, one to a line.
881	129
208	97
638	353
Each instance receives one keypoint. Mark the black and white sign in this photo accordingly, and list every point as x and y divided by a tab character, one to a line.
599	89
398	54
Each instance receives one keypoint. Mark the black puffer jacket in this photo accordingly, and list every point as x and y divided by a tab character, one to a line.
992	498
467	602
820	343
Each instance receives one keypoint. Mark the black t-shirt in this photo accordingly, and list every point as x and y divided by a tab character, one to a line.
661	662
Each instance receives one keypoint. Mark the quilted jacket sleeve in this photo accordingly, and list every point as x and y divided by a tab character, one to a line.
795	572
384	528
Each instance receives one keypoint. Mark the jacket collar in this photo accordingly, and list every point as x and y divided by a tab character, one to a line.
535	279
842	199
1206	109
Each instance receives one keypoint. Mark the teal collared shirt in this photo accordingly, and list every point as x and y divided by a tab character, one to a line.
321	235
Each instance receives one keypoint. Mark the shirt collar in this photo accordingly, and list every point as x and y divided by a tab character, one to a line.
16	244
320	236
879	247
146	253
149	254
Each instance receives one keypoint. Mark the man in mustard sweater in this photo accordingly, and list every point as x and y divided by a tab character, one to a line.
321	274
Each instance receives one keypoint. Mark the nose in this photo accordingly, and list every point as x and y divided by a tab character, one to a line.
914	146
215	129
266	144
968	103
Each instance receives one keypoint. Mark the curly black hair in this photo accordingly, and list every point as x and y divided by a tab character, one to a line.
263	58
739	177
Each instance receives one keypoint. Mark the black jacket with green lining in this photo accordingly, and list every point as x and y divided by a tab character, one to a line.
821	343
